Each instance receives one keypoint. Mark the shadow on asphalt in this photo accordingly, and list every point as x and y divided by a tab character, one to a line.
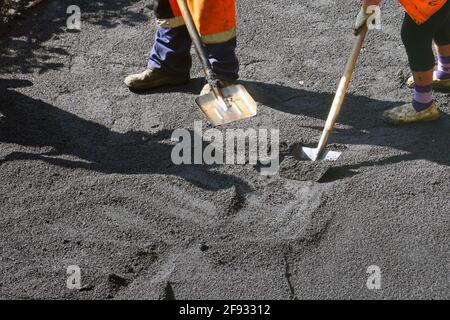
428	141
34	123
23	49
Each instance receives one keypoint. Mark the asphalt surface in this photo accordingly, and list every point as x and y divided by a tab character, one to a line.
87	178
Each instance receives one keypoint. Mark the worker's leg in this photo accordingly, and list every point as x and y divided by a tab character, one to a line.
171	51
216	22
223	59
443	70
418	41
169	61
439	23
442	39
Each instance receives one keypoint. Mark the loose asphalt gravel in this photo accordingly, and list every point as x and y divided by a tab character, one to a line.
87	178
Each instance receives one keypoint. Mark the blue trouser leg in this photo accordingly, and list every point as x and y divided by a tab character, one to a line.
223	59
171	53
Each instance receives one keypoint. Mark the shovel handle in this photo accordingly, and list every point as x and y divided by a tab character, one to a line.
198	43
345	80
342	89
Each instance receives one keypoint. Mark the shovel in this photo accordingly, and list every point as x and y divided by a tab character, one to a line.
320	153
224	104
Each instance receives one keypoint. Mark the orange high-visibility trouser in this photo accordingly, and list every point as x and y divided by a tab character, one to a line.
215	19
421	10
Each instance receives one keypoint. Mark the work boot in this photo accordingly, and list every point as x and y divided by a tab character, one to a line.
407	114
437	83
207	88
151	79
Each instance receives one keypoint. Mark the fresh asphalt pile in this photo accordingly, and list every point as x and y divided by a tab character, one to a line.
87	178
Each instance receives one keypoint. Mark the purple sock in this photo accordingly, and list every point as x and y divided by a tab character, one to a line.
423	97
443	70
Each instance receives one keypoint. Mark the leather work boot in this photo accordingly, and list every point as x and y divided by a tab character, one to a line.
437	84
407	114
150	79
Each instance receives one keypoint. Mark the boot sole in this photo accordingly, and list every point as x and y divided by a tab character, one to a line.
397	123
145	87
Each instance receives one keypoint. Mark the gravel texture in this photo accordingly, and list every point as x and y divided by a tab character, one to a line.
87	179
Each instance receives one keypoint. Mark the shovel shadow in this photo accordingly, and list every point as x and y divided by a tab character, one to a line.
69	141
428	141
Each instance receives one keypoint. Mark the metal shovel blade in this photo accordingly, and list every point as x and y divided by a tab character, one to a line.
312	154
238	105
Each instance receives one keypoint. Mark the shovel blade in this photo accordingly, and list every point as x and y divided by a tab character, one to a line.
239	105
312	154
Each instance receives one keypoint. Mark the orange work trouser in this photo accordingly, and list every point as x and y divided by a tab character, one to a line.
215	19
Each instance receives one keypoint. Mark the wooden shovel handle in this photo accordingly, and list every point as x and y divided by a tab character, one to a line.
345	81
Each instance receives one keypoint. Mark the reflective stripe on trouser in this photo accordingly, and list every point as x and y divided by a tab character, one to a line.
171	53
422	10
215	19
